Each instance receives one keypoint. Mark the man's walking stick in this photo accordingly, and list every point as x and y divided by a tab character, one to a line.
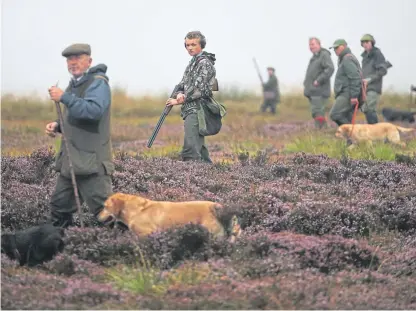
71	168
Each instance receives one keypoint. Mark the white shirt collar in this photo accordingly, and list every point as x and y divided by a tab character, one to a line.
80	77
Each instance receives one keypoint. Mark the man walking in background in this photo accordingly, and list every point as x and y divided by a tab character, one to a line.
347	85
374	68
87	102
195	89
271	92
317	83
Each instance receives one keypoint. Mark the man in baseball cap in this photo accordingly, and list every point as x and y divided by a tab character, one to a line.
347	85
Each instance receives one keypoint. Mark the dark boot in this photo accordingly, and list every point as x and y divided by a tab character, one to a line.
63	221
371	117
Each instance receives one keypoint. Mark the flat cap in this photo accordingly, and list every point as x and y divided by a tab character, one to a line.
337	43
77	49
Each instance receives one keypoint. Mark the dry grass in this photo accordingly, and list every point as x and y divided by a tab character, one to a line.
245	129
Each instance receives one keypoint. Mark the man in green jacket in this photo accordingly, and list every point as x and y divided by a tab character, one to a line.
317	83
87	107
374	69
271	92
347	85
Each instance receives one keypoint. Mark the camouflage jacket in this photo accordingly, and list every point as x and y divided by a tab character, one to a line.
197	82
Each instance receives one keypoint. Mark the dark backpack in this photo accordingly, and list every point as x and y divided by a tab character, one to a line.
210	112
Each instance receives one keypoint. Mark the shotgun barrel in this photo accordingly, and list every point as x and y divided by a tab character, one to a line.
161	120
258	70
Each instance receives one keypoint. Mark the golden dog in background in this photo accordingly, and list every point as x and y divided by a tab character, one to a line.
372	132
144	216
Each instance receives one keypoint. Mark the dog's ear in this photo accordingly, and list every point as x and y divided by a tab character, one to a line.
115	205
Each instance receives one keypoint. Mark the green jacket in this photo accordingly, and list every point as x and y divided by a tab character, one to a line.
87	113
272	88
374	67
320	68
347	79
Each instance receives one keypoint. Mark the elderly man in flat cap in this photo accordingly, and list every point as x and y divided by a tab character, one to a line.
347	85
271	92
317	82
87	102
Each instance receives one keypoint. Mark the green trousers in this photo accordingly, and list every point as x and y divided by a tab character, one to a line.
267	103
317	106
194	144
93	189
342	111
369	108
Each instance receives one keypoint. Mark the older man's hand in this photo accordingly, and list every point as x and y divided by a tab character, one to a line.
51	128
55	93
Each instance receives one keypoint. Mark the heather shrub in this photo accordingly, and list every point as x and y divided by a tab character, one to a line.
304	289
101	245
43	291
162	249
401	264
300	216
398	213
293	251
331	219
68	265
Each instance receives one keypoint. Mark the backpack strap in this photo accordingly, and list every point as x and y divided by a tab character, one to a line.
101	77
363	85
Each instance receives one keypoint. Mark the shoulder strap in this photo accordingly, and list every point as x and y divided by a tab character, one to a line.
356	62
363	86
101	77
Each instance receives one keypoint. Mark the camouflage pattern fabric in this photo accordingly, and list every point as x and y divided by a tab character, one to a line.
197	82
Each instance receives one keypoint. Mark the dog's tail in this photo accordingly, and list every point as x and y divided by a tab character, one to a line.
404	129
235	228
229	220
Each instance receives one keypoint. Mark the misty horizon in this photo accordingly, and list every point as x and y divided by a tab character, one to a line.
141	42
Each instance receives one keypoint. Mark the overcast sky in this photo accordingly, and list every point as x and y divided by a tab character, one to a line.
141	41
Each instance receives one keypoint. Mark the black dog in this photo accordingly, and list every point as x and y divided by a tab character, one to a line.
392	115
34	245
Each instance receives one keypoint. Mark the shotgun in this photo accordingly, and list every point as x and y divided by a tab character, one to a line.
161	119
258	71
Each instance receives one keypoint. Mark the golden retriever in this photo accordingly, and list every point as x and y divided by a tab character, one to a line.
372	132
144	216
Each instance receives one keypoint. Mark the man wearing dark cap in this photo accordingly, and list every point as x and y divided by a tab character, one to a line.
374	69
87	102
317	83
271	92
347	85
